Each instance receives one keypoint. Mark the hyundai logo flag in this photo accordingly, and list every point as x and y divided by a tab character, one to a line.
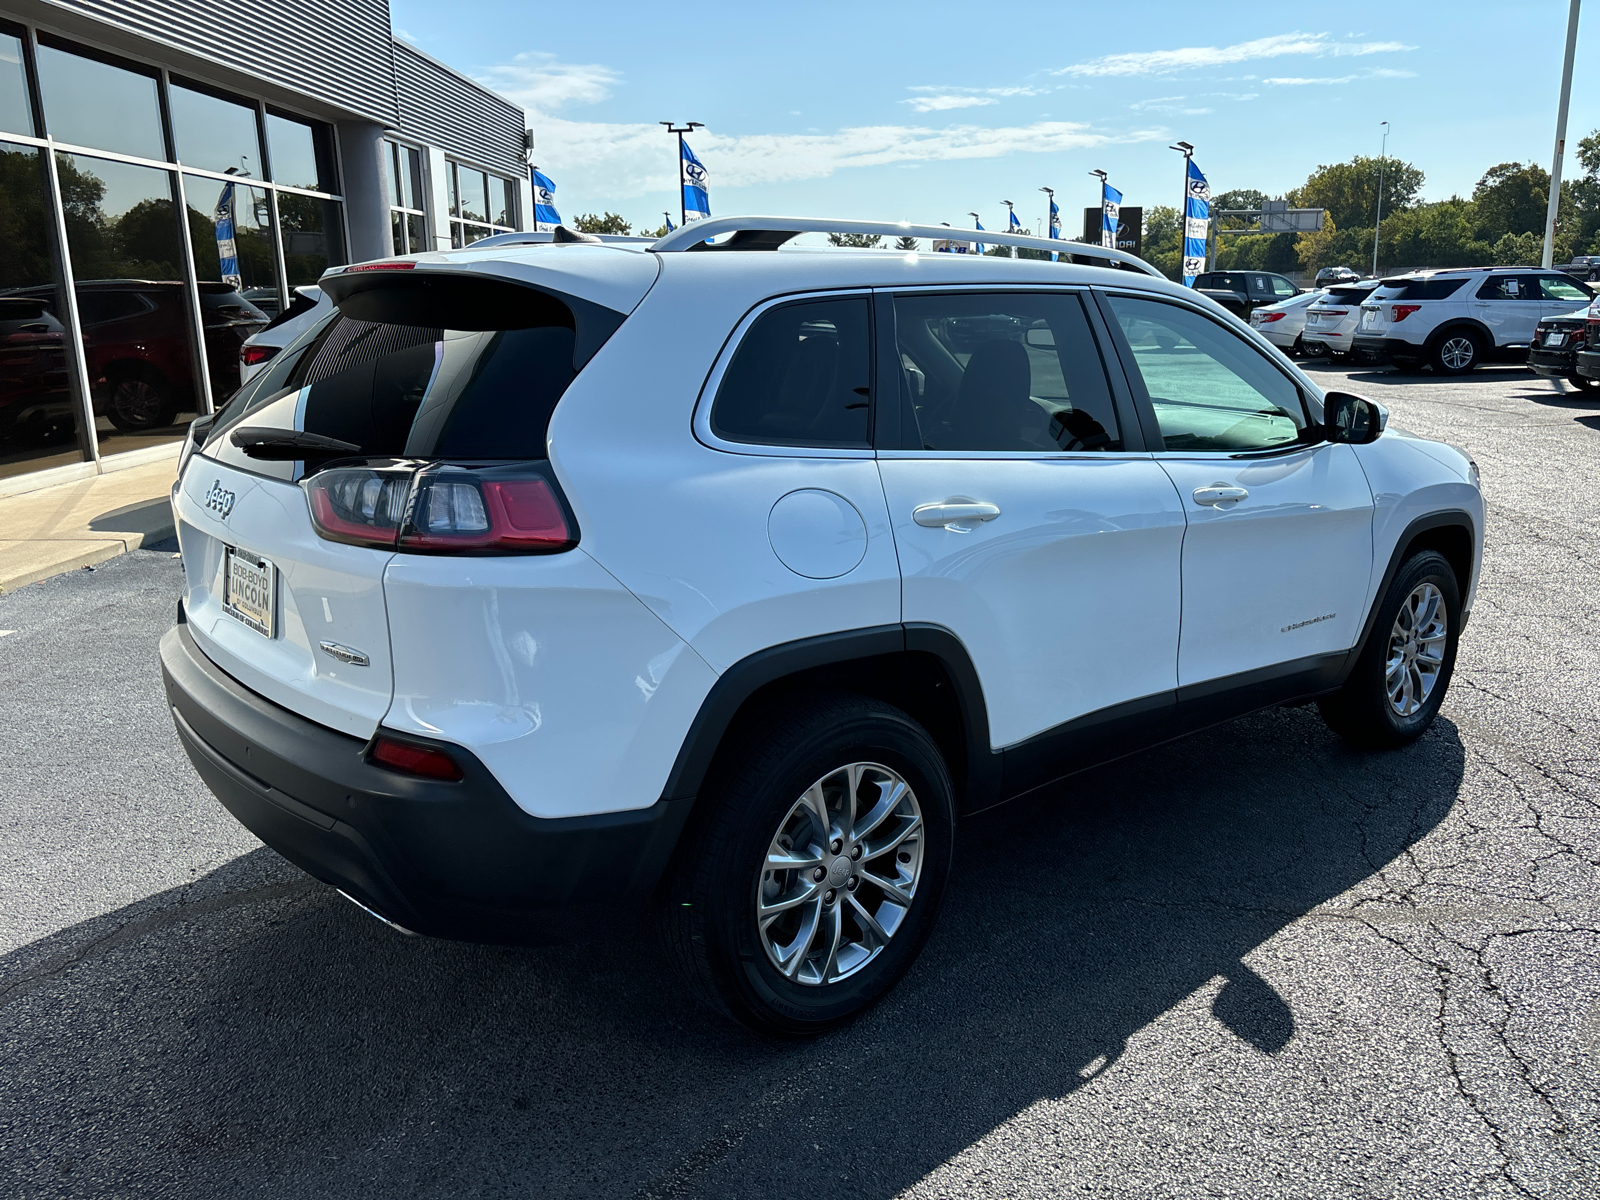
978	246
227	252
545	215
696	187
1110	215
1055	219
1195	219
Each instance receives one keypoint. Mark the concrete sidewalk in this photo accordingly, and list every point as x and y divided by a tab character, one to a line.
79	524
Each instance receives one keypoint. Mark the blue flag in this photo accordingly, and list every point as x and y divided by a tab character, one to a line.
545	215
1197	215
670	225
1015	223
696	187
978	247
1110	215
227	251
1055	219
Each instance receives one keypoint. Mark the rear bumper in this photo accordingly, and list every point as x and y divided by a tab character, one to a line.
1589	364
1382	349
457	860
1553	364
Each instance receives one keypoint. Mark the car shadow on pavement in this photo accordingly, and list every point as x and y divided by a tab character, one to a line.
272	1040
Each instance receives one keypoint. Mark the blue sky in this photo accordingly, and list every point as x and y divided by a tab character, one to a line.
924	112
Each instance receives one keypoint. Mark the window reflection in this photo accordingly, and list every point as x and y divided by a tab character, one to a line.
508	203
38	416
311	236
302	153
214	134
126	249
15	114
230	229
474	195
92	103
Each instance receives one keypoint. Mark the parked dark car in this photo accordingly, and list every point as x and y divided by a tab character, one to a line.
34	398
136	341
1242	292
1328	276
1556	345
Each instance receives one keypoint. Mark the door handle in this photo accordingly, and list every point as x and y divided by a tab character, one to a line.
961	516
1220	495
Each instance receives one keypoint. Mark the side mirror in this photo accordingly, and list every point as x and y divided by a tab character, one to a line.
1353	420
1041	339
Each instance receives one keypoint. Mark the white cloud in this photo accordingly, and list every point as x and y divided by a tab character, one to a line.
539	83
1168	104
1301	81
924	104
1159	62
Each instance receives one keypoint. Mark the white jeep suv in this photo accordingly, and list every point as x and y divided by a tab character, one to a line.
1455	320
549	582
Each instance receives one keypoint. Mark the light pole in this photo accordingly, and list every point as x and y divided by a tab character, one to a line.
1101	176
1377	224
1050	218
683	206
1561	141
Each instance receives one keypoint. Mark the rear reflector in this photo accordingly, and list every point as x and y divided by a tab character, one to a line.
414	760
250	356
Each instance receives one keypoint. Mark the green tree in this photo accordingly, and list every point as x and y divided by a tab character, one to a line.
1349	191
660	231
1511	198
1162	249
856	241
605	223
24	231
1238	198
905	243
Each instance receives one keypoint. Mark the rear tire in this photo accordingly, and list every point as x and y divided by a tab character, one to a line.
140	399
739	927
1583	383
1397	685
1455	352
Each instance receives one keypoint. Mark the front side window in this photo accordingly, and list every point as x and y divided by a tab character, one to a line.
800	377
1013	373
1211	390
1559	287
1282	287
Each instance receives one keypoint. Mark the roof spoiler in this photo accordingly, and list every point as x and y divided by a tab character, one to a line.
768	233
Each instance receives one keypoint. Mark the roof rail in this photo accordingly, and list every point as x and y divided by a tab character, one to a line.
530	237
768	233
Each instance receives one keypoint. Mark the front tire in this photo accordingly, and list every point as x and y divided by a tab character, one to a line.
813	875
1397	685
140	399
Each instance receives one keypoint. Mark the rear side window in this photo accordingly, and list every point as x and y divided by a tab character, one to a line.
1508	287
1012	372
1423	289
800	377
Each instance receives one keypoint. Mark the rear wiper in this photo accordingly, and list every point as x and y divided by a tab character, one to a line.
287	445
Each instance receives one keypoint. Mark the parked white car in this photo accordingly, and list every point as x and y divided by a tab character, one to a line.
307	306
547	581
1284	322
1456	320
1331	321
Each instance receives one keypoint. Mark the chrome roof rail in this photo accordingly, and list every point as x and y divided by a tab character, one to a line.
768	233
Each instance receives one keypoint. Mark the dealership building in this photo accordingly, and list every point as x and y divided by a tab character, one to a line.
171	170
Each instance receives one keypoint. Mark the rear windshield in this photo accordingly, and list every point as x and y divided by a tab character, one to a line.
398	390
1346	295
1421	289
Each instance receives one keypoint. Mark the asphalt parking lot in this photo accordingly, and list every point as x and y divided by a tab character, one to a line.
1251	963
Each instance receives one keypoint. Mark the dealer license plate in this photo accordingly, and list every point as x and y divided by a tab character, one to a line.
250	590
1554	340
1369	317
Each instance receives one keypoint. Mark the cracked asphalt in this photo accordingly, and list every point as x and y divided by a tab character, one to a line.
1251	963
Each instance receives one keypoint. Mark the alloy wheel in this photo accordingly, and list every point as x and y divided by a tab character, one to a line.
1458	352
1416	650
137	401
840	874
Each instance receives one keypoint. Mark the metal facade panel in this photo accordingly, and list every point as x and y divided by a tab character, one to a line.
444	109
338	50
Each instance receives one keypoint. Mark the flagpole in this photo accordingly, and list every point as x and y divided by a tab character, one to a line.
1185	149
683	205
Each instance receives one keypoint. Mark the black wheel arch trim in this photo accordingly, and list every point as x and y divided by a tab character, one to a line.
1438	520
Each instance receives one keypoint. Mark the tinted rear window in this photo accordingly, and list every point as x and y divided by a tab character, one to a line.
1346	295
417	391
1423	289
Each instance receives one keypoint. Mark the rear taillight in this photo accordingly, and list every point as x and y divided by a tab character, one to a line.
443	508
1400	312
1268	318
251	356
412	759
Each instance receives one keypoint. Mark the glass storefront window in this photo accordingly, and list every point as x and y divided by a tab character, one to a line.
16	115
301	153
508	205
311	236
407	212
238	283
474	194
126	251
38	415
214	134
88	102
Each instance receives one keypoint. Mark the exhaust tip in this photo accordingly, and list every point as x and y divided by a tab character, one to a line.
377	916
